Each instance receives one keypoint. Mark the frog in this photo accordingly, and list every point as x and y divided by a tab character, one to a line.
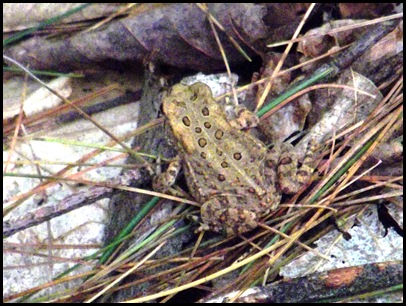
232	174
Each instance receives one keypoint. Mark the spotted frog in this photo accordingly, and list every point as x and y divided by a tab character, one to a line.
231	173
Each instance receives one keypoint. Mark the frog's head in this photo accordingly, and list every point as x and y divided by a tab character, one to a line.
180	98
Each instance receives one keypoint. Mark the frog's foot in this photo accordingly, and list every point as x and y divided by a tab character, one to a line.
202	228
291	177
195	218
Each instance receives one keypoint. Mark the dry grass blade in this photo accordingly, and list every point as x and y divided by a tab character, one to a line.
126	274
129	150
285	54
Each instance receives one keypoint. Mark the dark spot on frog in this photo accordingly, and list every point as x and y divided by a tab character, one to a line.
186	121
205	111
285	161
202	142
221	178
237	156
219	134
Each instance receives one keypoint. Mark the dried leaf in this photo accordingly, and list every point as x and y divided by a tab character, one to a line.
365	10
19	16
349	107
177	34
320	41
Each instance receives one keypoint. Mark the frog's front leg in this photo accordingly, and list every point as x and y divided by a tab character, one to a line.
165	181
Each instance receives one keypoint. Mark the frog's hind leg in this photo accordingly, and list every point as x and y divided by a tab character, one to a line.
291	177
227	214
245	119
